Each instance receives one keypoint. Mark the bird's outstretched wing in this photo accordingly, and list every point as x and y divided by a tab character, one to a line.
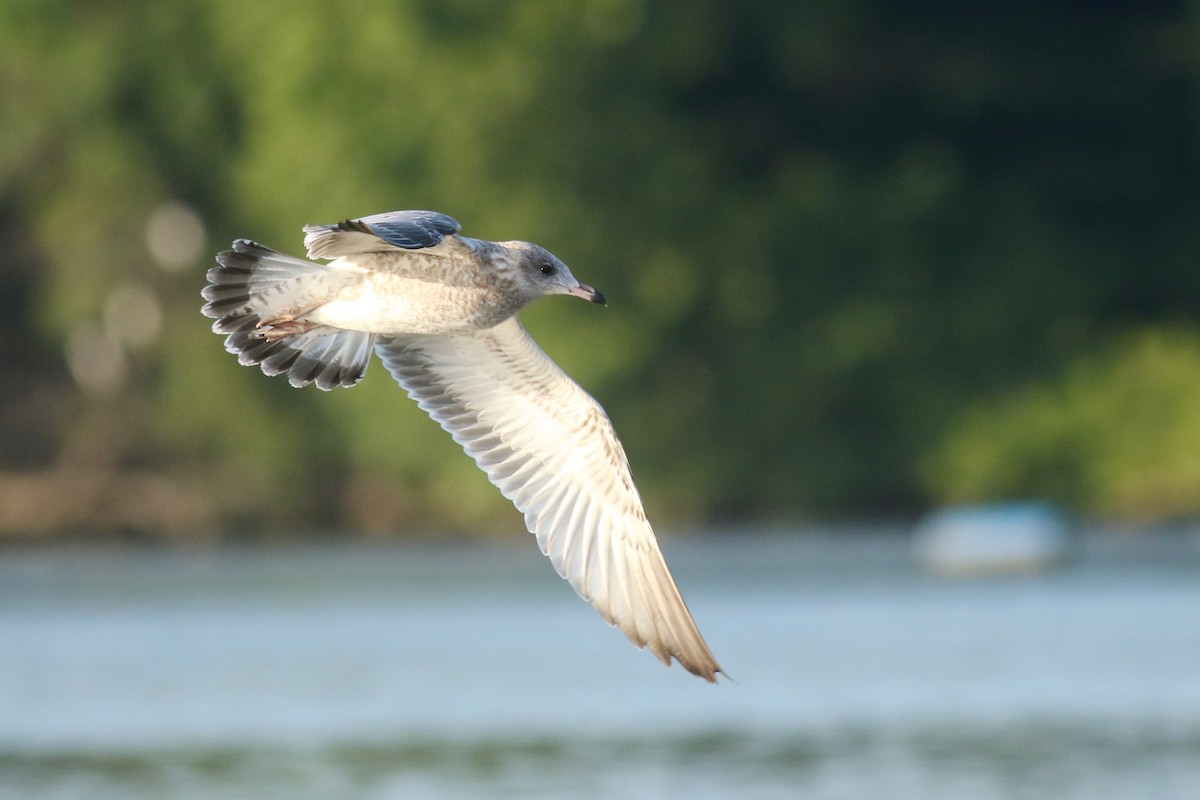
393	230
552	451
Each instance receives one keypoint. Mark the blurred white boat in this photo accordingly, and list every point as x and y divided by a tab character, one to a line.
965	541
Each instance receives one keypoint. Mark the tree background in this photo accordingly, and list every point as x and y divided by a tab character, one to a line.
862	257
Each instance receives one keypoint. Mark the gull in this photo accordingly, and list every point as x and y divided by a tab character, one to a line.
440	311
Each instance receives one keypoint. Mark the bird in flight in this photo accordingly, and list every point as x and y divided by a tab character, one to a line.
439	309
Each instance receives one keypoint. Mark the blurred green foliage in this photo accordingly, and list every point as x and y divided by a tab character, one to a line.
840	241
1117	431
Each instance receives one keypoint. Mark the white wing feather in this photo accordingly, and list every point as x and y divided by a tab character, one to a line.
552	451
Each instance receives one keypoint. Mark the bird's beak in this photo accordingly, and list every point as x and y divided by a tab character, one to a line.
588	293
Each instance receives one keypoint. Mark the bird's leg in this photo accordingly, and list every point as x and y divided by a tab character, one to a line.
281	326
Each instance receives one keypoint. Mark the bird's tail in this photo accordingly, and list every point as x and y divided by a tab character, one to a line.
258	297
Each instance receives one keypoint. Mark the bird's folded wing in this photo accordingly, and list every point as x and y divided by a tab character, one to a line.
552	451
393	230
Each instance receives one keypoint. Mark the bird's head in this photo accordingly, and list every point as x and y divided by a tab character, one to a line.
536	272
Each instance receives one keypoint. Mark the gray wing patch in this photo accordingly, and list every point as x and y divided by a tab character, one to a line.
411	230
405	230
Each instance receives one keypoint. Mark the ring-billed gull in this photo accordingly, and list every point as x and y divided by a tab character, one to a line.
440	311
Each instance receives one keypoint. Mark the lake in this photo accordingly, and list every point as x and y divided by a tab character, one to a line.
470	670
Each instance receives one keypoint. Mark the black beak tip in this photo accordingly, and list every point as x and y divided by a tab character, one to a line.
598	298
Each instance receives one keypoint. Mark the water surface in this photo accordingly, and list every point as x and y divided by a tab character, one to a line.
473	671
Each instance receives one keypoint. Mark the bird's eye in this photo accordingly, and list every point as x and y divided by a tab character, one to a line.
547	268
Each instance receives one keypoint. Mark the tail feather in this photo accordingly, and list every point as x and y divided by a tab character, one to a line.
255	289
